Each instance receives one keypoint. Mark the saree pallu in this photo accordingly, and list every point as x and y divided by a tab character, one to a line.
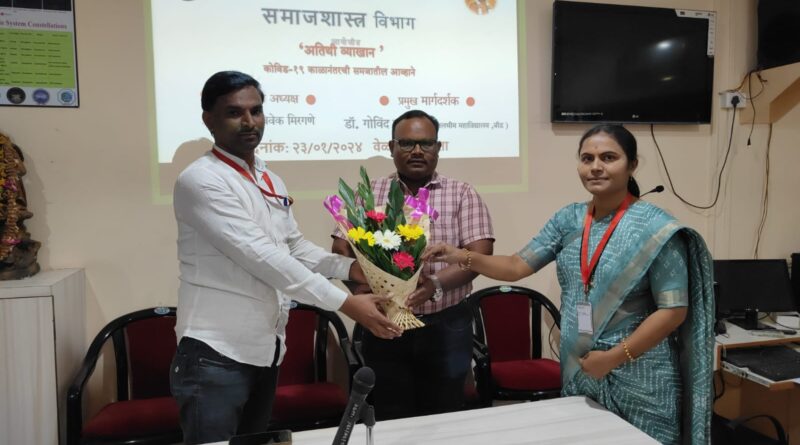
670	380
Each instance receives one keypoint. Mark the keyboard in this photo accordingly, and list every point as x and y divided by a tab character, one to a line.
776	363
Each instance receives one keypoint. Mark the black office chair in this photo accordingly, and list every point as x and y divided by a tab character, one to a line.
508	360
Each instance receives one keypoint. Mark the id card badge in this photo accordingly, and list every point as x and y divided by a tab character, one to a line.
585	318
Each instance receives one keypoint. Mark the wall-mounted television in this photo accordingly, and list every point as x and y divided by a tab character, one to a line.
629	64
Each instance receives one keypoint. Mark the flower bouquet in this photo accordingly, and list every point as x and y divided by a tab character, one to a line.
387	240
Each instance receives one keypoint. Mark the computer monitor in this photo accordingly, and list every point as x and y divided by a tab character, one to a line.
744	288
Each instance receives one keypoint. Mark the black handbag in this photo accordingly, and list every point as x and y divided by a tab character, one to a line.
734	432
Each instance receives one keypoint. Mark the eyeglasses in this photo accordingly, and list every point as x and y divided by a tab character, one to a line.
426	145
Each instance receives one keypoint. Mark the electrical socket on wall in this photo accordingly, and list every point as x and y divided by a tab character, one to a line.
726	99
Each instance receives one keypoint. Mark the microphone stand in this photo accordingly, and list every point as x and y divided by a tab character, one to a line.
368	417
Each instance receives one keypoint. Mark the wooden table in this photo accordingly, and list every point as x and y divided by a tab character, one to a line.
745	397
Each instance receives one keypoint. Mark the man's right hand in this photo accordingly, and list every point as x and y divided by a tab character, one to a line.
363	308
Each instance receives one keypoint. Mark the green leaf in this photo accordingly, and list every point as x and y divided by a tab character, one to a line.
385	258
386	264
367	250
361	216
355	217
394	206
346	193
370	225
418	247
369	197
396	271
364	194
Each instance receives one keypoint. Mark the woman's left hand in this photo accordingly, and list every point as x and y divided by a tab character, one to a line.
445	253
597	364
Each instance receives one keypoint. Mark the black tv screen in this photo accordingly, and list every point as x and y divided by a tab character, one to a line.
615	63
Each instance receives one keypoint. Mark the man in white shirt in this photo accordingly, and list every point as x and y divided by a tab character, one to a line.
242	261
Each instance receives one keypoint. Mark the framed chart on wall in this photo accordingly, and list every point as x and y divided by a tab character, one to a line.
38	58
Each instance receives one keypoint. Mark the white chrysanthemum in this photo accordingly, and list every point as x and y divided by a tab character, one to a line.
387	239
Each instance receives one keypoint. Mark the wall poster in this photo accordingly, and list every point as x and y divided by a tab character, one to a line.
38	59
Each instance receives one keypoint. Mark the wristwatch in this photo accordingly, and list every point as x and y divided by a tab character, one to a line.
438	291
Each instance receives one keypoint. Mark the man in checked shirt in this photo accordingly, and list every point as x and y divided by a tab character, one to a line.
423	372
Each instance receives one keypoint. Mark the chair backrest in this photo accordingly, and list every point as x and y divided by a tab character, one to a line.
306	359
508	320
299	364
151	346
144	344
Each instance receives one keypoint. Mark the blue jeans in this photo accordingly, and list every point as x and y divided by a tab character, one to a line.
422	372
219	397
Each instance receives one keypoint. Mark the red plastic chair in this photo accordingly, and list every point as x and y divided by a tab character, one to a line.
305	398
145	412
508	359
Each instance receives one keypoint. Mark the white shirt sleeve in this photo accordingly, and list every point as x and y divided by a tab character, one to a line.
205	202
316	258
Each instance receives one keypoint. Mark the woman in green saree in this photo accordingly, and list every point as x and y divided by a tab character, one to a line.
637	302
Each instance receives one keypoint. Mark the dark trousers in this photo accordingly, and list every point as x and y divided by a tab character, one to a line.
219	397
422	372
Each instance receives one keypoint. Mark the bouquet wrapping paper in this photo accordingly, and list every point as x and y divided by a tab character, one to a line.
388	241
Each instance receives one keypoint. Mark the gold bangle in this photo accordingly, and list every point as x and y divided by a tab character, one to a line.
627	351
468	266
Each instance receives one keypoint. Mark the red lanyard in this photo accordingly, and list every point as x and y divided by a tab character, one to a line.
287	200
587	268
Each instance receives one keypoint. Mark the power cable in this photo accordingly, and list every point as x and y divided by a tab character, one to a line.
719	178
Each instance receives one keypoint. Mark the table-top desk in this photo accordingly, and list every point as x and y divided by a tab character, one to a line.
743	395
736	337
568	420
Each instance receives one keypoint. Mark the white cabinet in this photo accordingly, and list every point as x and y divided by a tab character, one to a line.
42	343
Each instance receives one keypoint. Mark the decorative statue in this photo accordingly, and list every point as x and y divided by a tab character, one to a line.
17	249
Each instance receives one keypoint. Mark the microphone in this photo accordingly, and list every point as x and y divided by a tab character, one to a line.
363	381
657	189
